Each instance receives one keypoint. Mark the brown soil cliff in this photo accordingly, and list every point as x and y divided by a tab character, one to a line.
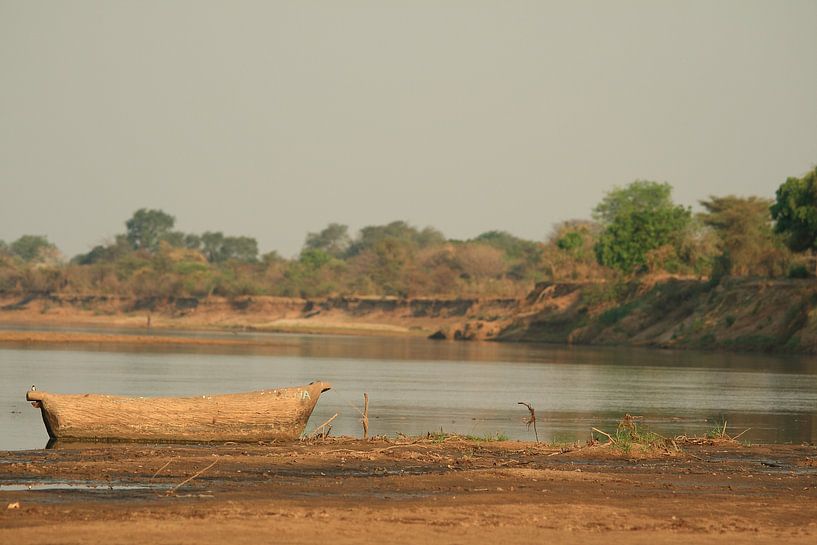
736	314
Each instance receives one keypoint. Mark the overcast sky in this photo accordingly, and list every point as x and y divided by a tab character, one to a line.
272	119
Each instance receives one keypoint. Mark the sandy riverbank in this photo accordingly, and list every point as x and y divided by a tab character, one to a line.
454	491
26	338
342	315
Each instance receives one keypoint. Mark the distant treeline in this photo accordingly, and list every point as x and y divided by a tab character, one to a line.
635	230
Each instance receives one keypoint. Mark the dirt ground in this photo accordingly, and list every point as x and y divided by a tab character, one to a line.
407	491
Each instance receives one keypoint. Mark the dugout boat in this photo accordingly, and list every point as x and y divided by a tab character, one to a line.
266	415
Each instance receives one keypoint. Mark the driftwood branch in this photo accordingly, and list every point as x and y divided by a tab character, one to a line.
173	490
365	416
160	469
315	431
610	437
741	433
531	420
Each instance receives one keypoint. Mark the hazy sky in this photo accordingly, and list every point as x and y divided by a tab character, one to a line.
272	119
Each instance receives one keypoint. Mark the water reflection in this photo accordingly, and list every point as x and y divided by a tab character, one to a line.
417	385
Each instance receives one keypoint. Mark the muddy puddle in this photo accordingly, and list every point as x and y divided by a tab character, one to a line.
83	486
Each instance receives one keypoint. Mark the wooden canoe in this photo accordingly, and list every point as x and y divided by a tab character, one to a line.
265	415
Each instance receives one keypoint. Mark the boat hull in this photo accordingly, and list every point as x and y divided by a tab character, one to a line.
266	415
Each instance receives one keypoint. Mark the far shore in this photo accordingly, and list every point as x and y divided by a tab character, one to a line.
105	334
85	338
40	323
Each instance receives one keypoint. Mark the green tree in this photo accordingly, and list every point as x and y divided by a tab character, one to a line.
177	239
637	219
211	243
240	248
743	226
147	228
192	241
271	258
513	246
314	273
334	240
523	256
568	252
795	212
385	263
32	248
575	237
217	248
105	253
313	259
398	232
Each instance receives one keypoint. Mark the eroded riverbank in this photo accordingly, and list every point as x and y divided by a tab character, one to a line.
734	314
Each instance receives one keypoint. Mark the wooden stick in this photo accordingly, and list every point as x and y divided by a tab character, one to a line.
741	433
160	469
382	450
610	437
365	416
173	490
531	420
315	431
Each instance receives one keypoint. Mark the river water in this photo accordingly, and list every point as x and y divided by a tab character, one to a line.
417	386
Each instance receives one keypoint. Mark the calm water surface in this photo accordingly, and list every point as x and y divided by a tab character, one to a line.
416	385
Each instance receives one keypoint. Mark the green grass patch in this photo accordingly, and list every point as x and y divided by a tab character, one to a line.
630	435
488	437
441	437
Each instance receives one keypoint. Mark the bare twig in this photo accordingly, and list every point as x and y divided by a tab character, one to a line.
315	431
337	450
378	451
398	446
610	437
531	419
173	490
741	433
365	416
160	469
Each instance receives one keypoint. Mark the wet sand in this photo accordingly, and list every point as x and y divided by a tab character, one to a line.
27	338
262	314
408	491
